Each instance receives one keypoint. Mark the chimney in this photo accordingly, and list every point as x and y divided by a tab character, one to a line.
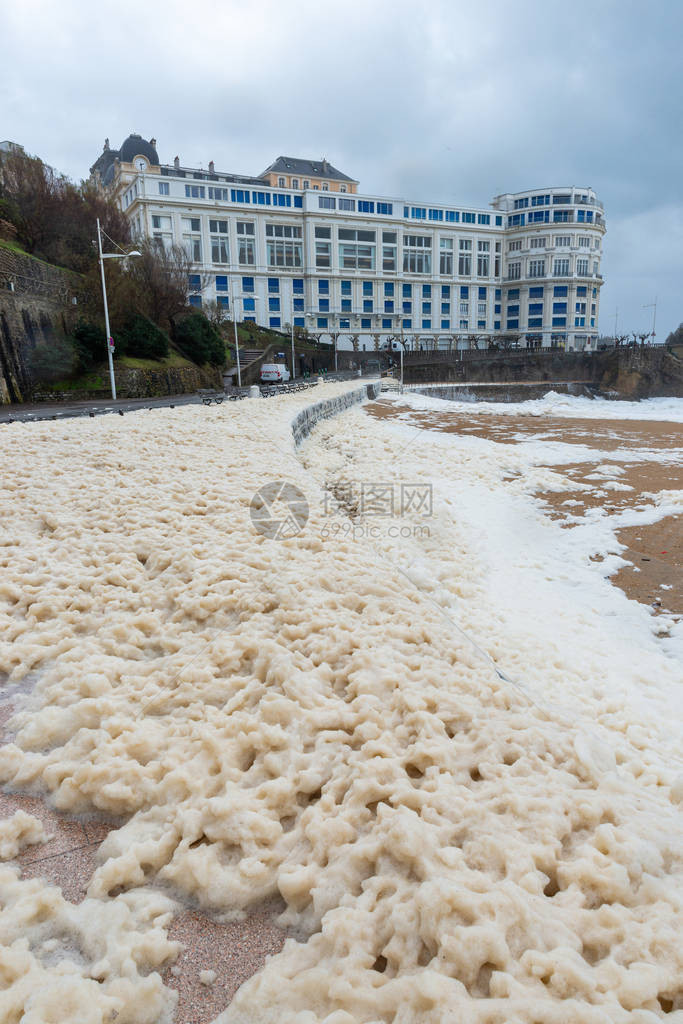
211	167
176	162
153	142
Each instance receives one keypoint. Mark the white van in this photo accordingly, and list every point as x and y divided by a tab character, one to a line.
274	373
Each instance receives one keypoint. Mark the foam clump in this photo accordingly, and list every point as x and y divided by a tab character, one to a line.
19	831
304	718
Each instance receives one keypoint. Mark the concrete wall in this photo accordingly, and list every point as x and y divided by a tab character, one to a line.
35	303
305	421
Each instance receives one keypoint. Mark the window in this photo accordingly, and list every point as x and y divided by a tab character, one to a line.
347	204
483	218
223	302
388	287
514	271
322	322
464	324
516	220
261	198
446	256
560	291
194	282
584	243
515	246
536	292
445	325
346	287
468	218
325	187
465	257
281	182
407	323
298	304
426	291
280	200
389	250
582	268
464	307
427	307
248	305
295	182
562	200
385	208
388	305
386	323
195	300
221	283
562	216
195	191
344	323
561	268
559	307
513	293
535	308
248	284
283	245
481	309
245	243
367	306
418	213
536	268
580	307
538	242
342	188
307	183
356	249
324	286
483	249
273	285
192	242
513	324
219	249
274	321
324	305
446	308
407	306
239	195
364	206
559	321
417	254
436	214
163	188
162	231
540	200
366	323
298	286
367	288
323	247
563	241
327	202
427	324
274	304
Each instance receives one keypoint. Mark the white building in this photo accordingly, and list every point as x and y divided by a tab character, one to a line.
300	243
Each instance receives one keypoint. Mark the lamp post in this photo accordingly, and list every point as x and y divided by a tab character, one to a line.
653	307
291	325
110	341
234	324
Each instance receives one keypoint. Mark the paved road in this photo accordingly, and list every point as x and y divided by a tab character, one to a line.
94	407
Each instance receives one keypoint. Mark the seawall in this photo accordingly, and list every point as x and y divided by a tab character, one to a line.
304	422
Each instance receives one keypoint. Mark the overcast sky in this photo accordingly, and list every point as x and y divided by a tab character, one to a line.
435	101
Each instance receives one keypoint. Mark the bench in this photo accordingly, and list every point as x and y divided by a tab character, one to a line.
208	396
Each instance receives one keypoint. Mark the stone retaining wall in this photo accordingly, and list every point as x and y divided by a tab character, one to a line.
305	421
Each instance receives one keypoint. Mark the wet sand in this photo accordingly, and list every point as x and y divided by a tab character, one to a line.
655	553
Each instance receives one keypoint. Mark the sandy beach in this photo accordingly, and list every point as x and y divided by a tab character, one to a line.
414	759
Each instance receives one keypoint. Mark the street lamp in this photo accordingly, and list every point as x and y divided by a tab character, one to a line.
110	341
233	299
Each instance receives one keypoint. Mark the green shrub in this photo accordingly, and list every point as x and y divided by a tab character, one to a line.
138	336
53	360
199	340
90	344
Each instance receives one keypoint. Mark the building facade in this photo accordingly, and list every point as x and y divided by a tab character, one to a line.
365	270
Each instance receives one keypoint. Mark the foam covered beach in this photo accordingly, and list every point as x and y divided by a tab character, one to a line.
435	731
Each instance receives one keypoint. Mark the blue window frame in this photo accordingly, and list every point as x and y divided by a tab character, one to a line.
445	325
579	321
464	291
427	307
535	321
346	287
299	321
194	282
481	323
513	293
483	218
386	323
407	291
367	288
346	305
452	216
250	319
386	208
446	307
273	284
426	291
388	305
513	310
559	307
249	305
560	290
195	300
513	325
468	218
344	323
247	284
436	214
298	285
324	286
559	321
322	322
367	305
274	305
496	308
496	325
365	206
222	301
238	195
299	201
406	211
536	292
535	308
418	212
389	288
407	323
445	291
298	304
365	323
262	198
280	200
427	324
497	295
482	294
323	305
407	307
274	321
221	283
582	290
